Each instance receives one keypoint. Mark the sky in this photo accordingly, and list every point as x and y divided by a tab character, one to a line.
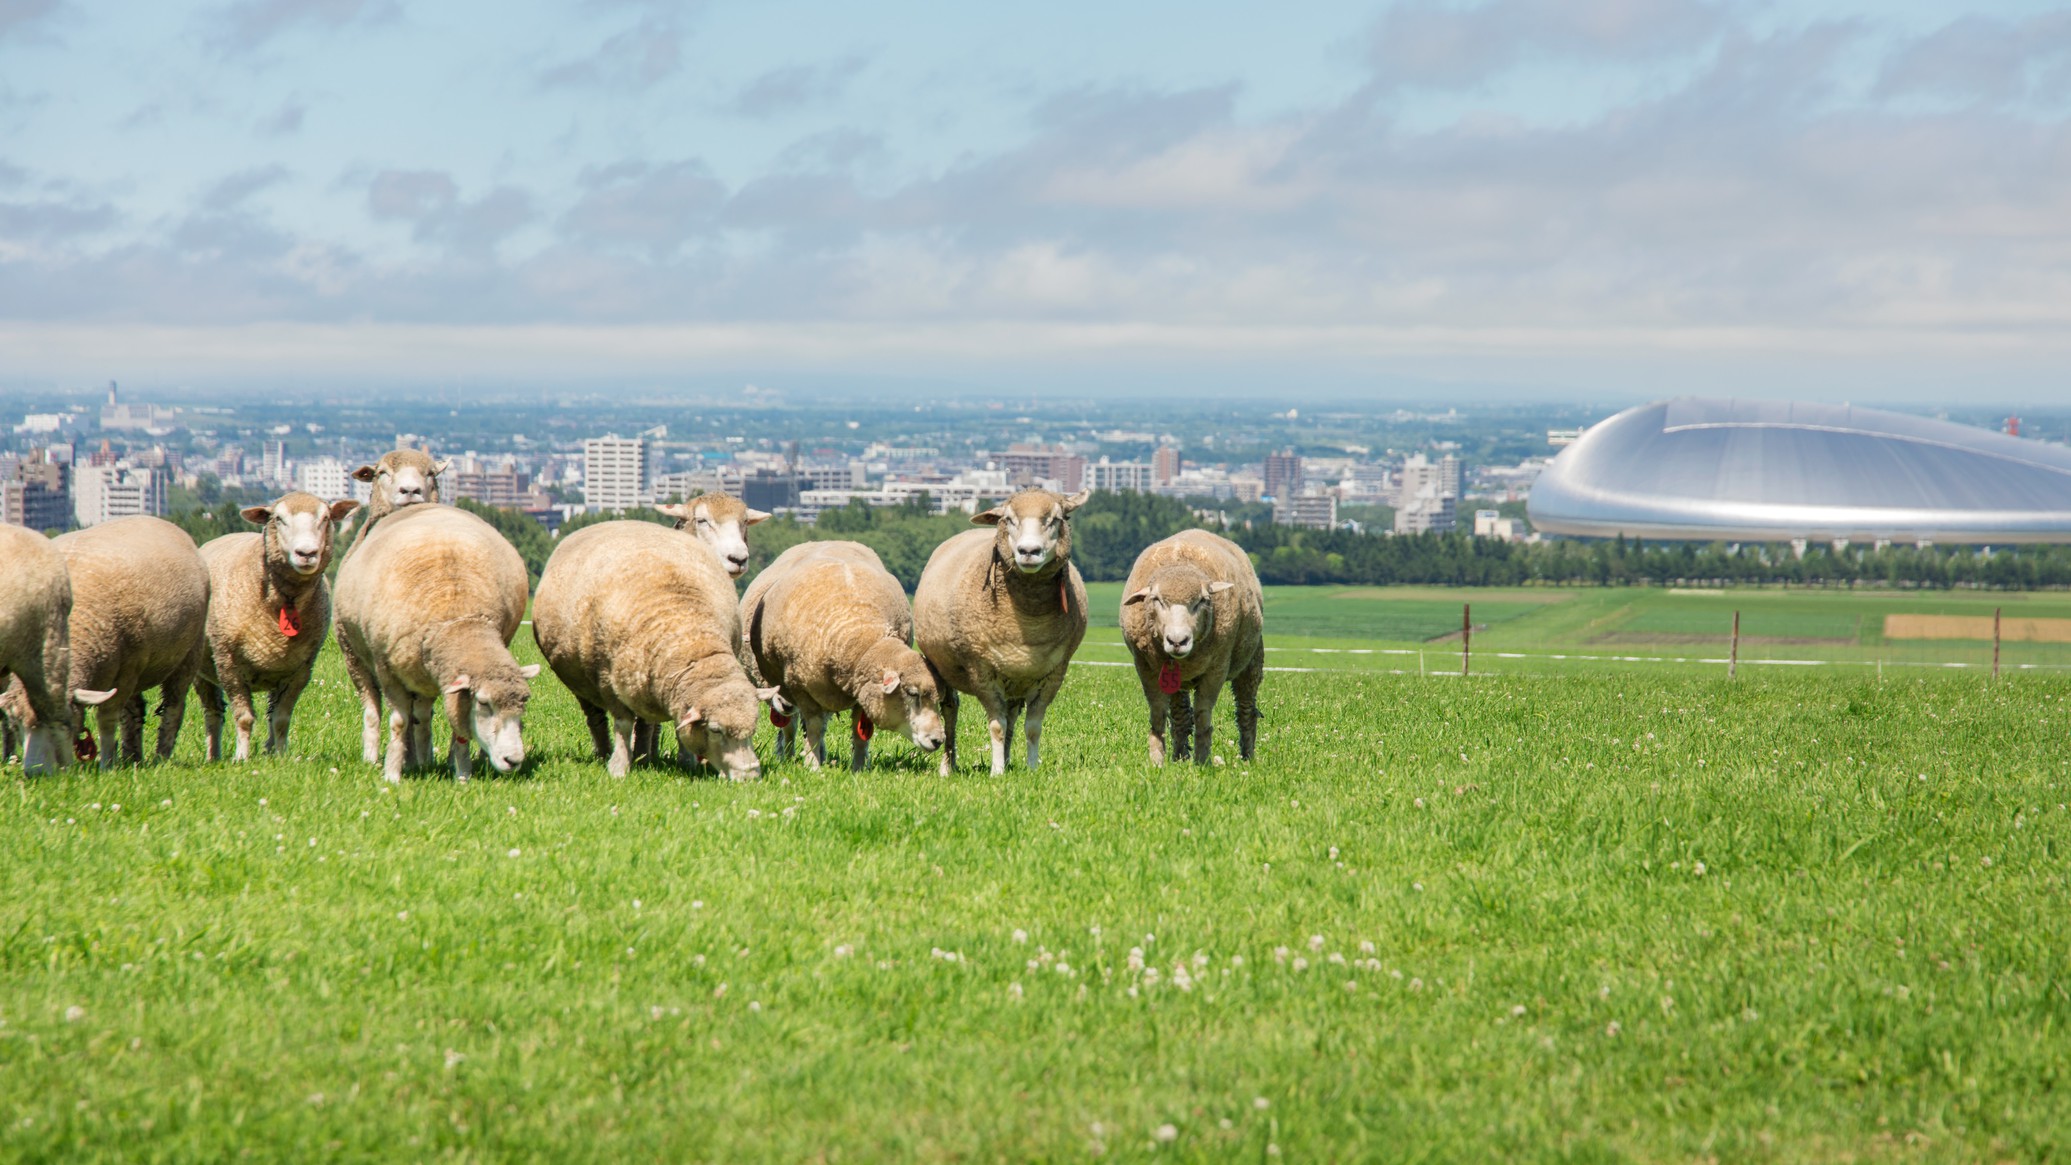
1431	199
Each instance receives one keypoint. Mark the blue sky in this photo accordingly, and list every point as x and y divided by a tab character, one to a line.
1425	198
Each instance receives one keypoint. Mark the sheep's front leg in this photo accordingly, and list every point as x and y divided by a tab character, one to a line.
859	749
1204	714
172	701
999	723
1244	686
133	729
950	700
1037	705
109	718
1161	712
645	736
370	701
624	742
460	711
1182	724
239	693
211	698
814	724
280	712
420	732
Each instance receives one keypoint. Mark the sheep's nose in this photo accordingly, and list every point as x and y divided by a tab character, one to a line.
737	562
1179	644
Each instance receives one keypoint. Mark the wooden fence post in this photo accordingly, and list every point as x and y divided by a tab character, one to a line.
1733	656
1466	634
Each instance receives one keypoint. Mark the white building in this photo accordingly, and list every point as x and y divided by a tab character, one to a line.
614	473
1492	524
1429	512
101	492
1116	476
43	423
326	477
1419	472
273	463
1310	511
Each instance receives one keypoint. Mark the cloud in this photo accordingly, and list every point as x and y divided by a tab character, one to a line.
232	190
1423	44
1980	58
23	18
636	58
249	25
796	87
285	121
649	208
430	201
48	220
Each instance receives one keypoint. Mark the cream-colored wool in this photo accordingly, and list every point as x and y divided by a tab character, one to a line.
269	611
430	599
642	625
36	648
1193	605
140	608
830	627
998	614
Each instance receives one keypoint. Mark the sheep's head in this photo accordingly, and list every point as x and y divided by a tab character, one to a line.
299	528
403	477
47	746
495	708
1179	602
903	696
720	727
721	522
1032	529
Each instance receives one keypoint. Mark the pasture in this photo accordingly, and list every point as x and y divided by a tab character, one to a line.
1641	915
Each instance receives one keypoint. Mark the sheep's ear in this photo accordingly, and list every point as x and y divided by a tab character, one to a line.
530	671
340	510
672	510
990	517
1137	597
1218	587
439	467
365	473
694	716
90	697
256	515
460	684
1076	500
754	516
891	681
766	695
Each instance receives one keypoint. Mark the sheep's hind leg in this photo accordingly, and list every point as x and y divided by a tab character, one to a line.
211	698
1204	715
624	737
1182	724
814	724
1244	686
369	692
1038	704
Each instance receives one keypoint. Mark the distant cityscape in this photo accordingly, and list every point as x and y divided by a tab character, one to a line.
1389	471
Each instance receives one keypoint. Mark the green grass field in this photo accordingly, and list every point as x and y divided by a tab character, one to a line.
1622	916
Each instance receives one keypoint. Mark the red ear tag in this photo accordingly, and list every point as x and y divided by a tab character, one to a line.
779	719
864	727
1168	679
83	747
290	622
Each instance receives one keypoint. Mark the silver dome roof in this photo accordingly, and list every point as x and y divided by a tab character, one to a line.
1742	470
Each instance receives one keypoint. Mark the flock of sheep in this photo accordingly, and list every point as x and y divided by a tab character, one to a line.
639	621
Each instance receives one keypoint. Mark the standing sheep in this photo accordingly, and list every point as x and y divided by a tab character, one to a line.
402	477
998	614
140	608
36	649
430	600
1193	616
829	625
641	624
721	522
269	611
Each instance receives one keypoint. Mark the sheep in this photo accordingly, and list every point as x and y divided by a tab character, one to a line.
1194	617
829	626
400	478
140	605
430	600
269	611
998	614
721	522
36	650
642	625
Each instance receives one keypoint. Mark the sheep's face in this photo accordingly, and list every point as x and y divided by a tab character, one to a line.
404	477
498	715
720	522
47	747
1032	529
1180	607
912	703
722	730
299	529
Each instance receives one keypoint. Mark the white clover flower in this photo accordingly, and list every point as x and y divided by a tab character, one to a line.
1315	942
74	1013
1014	990
1301	964
844	951
1136	958
1261	1103
1280	954
1518	1011
1167	1133
1020	935
1366	947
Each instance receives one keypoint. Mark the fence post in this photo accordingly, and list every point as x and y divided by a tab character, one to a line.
1733	656
1466	634
1995	642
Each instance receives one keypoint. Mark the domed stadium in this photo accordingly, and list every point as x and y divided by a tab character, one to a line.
1739	470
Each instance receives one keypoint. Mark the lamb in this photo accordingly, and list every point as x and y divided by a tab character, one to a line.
641	624
430	600
721	522
140	607
269	611
36	649
829	626
1193	617
998	614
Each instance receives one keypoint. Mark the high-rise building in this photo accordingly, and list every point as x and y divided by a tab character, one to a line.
1282	474
37	493
1028	465
1116	476
273	463
1165	465
101	492
1418	472
1429	512
326	477
1310	511
614	473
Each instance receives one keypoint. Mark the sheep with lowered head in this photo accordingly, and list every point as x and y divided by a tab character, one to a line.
641	624
430	599
269	611
1194	619
829	626
721	522
998	614
36	649
140	608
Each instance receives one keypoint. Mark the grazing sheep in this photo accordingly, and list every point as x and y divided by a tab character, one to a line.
269	611
140	608
721	522
829	626
998	614
1194	618
430	600
641	624
36	650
